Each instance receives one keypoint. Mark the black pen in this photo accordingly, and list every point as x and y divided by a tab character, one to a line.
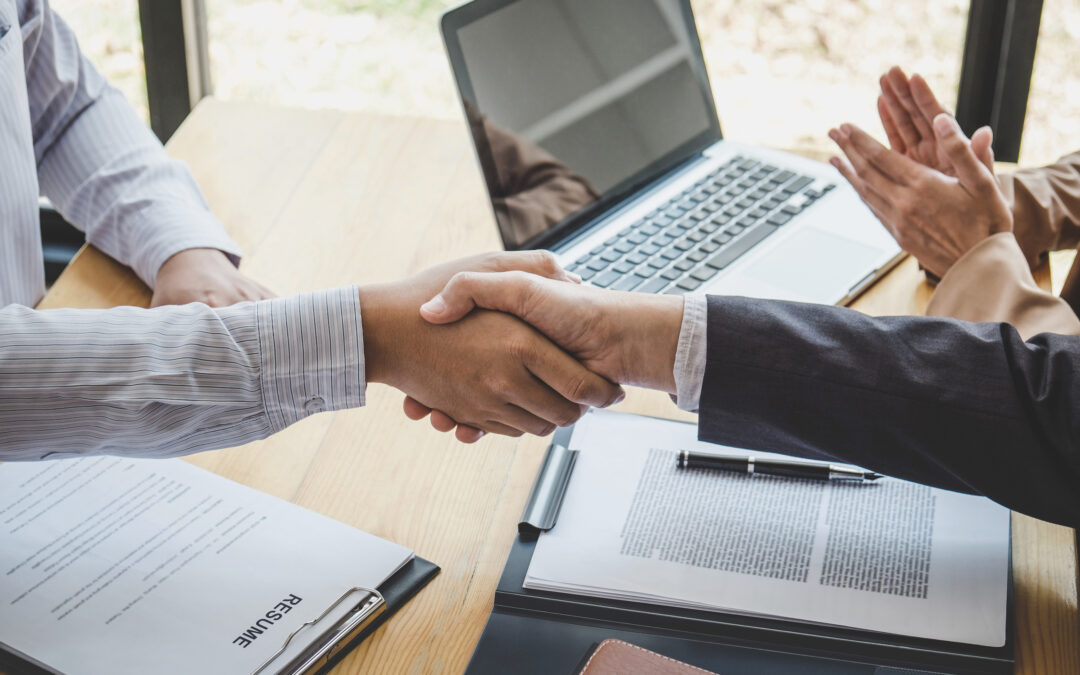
789	468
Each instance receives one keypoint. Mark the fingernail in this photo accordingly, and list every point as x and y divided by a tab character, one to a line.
945	125
435	305
835	161
575	277
846	128
834	134
620	398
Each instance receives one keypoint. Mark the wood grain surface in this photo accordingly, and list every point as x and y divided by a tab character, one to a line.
326	198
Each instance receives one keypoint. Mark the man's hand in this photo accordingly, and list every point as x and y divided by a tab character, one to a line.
935	217
629	338
489	372
907	108
204	275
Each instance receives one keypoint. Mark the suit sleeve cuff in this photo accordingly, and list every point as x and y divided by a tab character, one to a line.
312	351
690	355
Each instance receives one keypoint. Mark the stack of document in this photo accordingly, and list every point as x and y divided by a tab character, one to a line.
111	565
889	556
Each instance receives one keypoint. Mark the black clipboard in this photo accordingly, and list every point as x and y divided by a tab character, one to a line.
544	632
370	611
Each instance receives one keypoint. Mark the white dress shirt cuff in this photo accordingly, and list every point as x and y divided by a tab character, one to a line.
312	351
184	230
690	356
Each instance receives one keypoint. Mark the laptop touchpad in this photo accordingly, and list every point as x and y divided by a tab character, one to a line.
835	264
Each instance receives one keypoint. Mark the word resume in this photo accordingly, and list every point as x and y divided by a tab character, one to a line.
133	566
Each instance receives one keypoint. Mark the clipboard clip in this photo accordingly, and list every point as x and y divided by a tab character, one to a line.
334	639
546	498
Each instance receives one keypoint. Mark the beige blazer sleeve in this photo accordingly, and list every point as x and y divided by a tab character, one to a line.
993	282
1046	206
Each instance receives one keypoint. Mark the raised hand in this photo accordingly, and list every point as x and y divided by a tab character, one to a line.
907	108
935	217
204	275
629	338
490	372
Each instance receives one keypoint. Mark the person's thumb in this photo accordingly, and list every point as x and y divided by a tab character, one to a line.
500	291
969	169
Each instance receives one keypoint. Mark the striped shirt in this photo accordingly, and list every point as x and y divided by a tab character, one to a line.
131	381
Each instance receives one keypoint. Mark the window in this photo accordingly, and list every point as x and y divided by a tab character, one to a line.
108	32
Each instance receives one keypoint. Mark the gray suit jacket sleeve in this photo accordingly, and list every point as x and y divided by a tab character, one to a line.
962	406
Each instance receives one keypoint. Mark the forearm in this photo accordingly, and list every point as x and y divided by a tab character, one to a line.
962	406
1046	206
992	282
99	164
174	380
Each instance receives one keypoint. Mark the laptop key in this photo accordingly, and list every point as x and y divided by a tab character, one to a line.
780	218
654	285
585	273
709	246
649	249
628	283
597	264
704	273
624	246
607	278
696	236
784	176
659	262
671	253
636	258
722	238
741	245
697	256
623	267
684	245
582	260
670	274
796	185
689	284
637	238
684	265
610	256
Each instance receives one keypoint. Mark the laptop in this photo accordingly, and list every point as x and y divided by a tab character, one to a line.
597	133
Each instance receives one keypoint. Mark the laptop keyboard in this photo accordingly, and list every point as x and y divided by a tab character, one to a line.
695	235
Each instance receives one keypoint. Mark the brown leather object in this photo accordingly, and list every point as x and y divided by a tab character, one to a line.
615	657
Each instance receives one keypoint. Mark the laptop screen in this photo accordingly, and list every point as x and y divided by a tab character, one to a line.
573	104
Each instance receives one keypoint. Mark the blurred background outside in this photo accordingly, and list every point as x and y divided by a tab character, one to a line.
783	71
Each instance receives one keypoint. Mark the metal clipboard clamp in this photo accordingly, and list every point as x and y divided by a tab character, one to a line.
546	498
333	639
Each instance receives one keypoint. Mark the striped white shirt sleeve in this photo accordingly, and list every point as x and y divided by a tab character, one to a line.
173	380
98	162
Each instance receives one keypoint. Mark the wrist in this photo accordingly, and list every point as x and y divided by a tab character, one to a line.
381	317
652	324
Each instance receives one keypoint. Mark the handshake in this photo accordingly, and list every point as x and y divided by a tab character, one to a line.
510	343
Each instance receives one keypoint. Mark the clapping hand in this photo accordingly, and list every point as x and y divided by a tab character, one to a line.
935	216
907	108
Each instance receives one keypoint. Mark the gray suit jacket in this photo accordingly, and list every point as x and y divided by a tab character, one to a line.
961	406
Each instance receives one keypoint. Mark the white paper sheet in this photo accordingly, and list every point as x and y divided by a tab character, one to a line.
892	556
111	565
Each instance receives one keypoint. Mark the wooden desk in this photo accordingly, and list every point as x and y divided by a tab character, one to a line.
319	199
